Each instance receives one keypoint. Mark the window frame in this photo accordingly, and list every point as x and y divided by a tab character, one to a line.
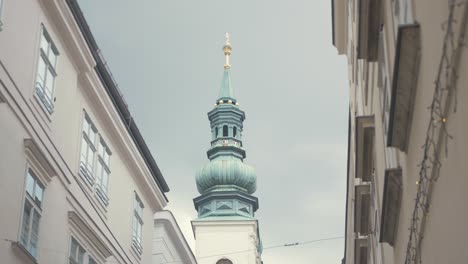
2	2
90	145
86	259
103	160
137	224
35	208
49	70
94	142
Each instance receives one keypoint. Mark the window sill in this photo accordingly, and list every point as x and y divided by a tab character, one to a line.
41	109
46	104
92	192
136	250
87	177
102	207
102	197
23	252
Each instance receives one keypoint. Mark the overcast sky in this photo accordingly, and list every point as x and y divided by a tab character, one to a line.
167	59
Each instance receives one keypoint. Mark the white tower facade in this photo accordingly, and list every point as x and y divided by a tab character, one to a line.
227	241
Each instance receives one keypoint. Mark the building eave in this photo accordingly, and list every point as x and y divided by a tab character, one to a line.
116	97
339	25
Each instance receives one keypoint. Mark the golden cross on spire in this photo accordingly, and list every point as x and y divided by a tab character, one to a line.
227	51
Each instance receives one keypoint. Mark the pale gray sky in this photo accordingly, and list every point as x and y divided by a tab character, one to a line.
166	56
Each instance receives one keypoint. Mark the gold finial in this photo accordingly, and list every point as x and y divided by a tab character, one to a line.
227	51
227	39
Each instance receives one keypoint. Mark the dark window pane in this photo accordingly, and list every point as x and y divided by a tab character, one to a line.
25	225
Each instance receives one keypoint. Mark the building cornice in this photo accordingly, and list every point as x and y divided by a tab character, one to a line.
70	33
111	119
92	74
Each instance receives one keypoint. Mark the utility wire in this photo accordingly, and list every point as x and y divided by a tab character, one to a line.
209	256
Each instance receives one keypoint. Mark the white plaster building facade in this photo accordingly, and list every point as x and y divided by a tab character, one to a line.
227	241
406	185
169	244
77	182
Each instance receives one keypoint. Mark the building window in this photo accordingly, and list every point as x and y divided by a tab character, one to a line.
78	254
46	71
88	149
103	170
234	132
95	160
216	132
32	213
225	131
137	223
1	12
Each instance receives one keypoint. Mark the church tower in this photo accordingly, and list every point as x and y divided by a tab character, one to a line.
226	231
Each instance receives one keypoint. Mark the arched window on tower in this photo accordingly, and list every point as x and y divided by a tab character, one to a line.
216	132
234	132
224	261
225	131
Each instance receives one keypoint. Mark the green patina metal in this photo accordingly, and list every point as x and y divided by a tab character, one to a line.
225	91
226	182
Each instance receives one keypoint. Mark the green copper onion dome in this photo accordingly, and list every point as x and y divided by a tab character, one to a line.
226	173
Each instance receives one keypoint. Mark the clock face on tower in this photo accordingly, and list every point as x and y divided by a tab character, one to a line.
224	261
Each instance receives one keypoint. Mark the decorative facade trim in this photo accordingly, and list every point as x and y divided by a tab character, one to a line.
36	158
83	231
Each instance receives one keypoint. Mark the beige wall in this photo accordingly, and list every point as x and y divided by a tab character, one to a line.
58	136
445	234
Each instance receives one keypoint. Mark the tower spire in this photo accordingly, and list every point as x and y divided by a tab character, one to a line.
227	51
226	92
226	185
226	178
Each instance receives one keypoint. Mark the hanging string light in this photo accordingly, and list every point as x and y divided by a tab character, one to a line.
437	135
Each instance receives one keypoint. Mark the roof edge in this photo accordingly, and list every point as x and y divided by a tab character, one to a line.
116	97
